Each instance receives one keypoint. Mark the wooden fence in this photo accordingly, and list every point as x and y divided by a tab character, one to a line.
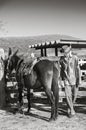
12	92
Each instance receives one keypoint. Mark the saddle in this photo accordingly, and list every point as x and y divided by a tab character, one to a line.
29	63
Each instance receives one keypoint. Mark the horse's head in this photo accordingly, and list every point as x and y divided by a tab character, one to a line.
12	61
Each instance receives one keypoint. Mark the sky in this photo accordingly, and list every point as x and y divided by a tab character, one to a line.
41	17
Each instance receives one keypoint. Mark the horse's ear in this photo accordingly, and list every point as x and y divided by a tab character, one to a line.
15	52
9	51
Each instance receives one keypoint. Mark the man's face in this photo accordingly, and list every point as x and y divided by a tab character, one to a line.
67	54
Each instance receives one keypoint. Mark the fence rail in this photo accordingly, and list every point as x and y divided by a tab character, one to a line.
12	92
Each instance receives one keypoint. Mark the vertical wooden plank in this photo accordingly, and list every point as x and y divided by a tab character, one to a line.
45	52
41	51
56	51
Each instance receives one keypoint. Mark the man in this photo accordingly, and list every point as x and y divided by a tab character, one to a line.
2	79
70	74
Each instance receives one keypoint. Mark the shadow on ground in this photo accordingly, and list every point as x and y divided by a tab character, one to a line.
42	105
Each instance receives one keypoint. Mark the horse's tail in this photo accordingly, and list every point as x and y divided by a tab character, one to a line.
55	85
56	78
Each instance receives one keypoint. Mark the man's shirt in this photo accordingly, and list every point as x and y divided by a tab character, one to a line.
70	70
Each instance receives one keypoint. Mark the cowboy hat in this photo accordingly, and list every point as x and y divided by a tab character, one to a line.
65	49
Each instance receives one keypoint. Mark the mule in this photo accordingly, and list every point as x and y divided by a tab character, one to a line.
45	72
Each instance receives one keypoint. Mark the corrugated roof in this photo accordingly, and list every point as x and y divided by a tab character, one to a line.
59	43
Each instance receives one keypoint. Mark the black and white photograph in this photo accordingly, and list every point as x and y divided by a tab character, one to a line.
42	65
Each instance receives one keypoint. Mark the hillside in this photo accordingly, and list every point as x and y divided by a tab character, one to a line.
22	43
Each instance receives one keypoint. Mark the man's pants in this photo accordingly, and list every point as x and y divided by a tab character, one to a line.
74	93
71	94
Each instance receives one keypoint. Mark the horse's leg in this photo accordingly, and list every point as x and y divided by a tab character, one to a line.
27	85
55	86
55	89
52	101
28	98
47	83
20	88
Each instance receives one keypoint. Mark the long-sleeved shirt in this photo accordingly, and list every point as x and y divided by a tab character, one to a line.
70	71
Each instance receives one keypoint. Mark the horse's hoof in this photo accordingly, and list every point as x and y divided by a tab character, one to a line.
20	110
28	110
52	119
56	118
27	113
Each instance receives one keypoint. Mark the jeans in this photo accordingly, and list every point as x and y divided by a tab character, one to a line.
71	94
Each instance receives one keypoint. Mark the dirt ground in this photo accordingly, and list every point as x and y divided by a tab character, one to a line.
38	119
